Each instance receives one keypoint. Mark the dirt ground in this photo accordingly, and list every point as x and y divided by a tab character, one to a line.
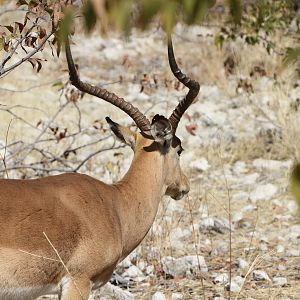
241	139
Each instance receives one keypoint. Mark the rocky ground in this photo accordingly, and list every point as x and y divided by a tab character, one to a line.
240	138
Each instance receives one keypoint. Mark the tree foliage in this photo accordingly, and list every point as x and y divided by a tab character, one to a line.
49	21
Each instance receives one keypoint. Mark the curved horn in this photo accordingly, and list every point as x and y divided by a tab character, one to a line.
193	86
140	120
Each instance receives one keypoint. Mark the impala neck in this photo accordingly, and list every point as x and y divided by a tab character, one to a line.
141	191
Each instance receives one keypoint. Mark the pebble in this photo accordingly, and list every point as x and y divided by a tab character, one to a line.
133	273
239	167
200	164
158	296
292	253
236	284
221	279
109	291
280	249
242	264
176	296
273	165
183	266
263	192
282	281
260	275
219	225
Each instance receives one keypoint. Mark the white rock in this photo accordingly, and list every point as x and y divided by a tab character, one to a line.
273	165
249	207
178	235
133	273
200	164
221	279
243	264
109	291
158	296
280	249
292	253
238	196
263	192
237	217
280	281
219	225
183	265
239	167
281	267
126	263
295	229
156	229
176	296
236	284
263	247
173	205
260	275
248	179
291	206
142	265
150	270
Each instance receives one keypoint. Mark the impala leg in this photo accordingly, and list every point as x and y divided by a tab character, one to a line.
75	289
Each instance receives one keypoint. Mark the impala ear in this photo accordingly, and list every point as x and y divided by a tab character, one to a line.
123	133
161	130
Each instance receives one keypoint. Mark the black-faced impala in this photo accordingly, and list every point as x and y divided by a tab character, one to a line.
65	234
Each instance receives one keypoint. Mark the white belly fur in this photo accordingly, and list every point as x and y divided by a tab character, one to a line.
27	293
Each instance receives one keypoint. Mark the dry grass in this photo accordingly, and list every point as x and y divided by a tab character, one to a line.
210	192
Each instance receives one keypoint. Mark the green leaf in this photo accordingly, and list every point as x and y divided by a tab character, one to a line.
236	11
149	9
89	14
295	183
2	43
65	26
292	55
121	14
219	41
169	16
251	40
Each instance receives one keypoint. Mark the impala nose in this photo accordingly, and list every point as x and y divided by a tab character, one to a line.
185	188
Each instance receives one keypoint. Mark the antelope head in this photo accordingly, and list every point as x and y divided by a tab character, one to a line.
156	138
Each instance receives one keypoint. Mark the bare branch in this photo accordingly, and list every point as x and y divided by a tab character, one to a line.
25	58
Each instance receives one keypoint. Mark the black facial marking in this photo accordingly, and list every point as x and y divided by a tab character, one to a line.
164	149
176	142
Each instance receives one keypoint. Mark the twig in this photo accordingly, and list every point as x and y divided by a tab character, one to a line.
230	232
12	52
25	58
6	139
256	262
64	265
39	256
29	88
95	153
196	246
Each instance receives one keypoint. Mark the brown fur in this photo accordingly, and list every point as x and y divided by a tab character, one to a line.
92	225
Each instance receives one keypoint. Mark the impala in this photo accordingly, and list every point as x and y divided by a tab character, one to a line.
65	234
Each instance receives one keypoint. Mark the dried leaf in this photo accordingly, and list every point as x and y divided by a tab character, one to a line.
19	27
9	28
32	61
191	128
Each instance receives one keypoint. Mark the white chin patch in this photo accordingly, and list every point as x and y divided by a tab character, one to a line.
161	136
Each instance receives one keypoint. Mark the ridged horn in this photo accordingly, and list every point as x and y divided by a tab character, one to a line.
140	119
193	86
